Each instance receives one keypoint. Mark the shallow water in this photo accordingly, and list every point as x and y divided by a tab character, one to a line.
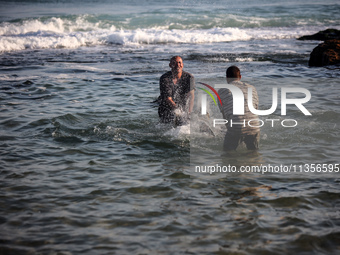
87	169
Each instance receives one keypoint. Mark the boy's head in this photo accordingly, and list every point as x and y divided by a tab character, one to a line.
233	74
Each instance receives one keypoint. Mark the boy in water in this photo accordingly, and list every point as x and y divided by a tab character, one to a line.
238	129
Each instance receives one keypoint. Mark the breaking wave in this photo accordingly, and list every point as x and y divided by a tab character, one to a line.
84	30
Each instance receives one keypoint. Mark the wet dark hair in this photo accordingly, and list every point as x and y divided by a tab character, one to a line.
233	72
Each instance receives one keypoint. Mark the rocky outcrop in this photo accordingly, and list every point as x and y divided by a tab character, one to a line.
328	34
327	53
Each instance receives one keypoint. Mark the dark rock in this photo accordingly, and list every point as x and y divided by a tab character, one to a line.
327	53
327	34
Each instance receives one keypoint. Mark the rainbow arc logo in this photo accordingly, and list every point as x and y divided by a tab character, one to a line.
204	97
208	92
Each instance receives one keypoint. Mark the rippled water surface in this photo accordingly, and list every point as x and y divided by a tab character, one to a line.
87	169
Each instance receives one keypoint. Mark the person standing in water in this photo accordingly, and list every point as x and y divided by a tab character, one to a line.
240	131
176	91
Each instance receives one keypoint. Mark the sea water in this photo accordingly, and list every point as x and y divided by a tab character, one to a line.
86	168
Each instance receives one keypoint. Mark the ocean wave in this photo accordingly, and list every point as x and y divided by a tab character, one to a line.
89	30
54	36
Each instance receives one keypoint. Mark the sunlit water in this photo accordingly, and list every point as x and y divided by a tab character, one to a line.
87	169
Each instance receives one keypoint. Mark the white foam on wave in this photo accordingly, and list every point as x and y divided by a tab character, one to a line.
47	42
62	33
52	33
157	36
55	25
52	25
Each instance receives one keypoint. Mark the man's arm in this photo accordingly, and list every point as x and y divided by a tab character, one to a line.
166	91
